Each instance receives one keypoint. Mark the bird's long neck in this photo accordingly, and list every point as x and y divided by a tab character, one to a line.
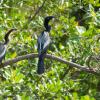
47	26
7	35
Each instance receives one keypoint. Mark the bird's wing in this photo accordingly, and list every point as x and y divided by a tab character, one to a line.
40	44
43	41
47	40
2	50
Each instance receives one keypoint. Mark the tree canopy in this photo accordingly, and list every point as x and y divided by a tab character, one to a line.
75	39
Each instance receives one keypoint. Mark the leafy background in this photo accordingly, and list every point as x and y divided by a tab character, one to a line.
75	36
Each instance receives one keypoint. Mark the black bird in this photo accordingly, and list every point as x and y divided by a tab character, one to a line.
4	45
43	43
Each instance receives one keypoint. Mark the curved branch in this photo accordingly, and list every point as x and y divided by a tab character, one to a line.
35	55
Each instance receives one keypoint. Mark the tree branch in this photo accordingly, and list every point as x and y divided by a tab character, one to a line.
37	11
35	55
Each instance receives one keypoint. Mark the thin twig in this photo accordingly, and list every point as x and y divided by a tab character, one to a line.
88	60
35	55
37	11
65	72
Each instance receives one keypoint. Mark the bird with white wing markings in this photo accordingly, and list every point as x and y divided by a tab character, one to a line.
43	44
3	46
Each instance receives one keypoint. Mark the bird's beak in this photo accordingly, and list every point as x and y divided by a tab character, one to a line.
15	29
53	18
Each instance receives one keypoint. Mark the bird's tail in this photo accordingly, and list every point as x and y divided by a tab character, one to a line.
40	69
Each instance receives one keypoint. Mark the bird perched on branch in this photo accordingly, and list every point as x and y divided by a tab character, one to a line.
3	45
43	43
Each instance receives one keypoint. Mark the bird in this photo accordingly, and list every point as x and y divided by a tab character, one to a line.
43	42
3	46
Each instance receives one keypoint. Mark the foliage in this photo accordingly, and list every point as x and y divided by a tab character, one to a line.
75	36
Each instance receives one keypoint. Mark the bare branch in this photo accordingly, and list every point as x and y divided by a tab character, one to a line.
37	11
35	55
